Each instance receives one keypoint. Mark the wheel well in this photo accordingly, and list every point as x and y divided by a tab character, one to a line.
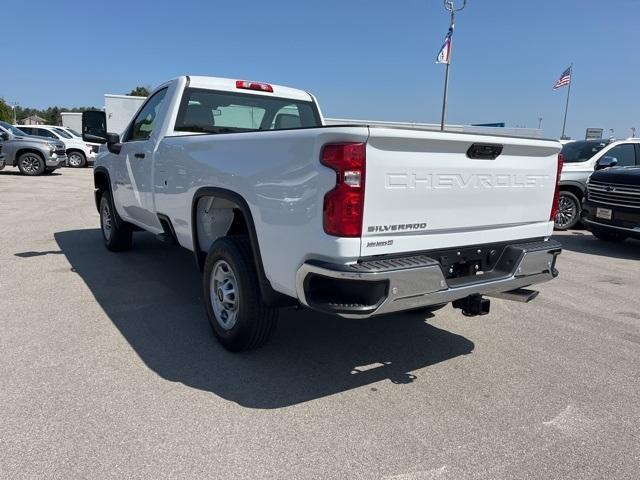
216	212
69	150
217	217
27	150
577	191
101	183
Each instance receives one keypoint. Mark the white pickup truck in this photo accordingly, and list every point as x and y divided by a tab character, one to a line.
281	210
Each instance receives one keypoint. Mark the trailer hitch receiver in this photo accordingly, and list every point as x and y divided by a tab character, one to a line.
473	305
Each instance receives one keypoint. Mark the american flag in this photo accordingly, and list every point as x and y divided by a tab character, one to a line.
444	55
565	79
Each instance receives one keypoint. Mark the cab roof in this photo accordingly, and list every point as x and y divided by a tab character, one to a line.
229	85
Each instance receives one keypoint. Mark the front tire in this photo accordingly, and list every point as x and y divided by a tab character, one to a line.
608	235
76	159
236	312
568	211
117	235
31	164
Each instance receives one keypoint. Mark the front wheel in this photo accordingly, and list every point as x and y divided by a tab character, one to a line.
31	164
568	211
239	318
117	236
76	159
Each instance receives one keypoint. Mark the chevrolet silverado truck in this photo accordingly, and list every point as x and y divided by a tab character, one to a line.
32	155
353	220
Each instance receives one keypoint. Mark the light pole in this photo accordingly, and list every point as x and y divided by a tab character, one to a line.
451	8
539	123
13	107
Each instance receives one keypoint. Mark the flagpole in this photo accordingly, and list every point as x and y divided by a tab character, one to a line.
446	80
566	107
450	7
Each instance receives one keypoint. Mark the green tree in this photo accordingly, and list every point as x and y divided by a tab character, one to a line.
139	91
6	114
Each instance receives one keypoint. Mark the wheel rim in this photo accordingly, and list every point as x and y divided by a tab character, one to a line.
107	227
75	160
567	211
30	164
223	290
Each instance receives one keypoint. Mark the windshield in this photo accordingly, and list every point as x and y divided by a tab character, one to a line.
63	133
12	129
73	132
210	111
581	151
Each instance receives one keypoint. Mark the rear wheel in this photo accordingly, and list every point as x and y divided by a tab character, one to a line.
239	318
31	164
608	235
568	211
76	159
117	236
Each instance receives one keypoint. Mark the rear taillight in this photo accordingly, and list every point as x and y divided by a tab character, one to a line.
262	87
556	195
344	205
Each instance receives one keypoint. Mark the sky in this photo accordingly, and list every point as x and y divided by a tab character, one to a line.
363	59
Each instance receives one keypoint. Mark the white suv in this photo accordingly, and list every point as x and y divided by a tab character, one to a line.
79	154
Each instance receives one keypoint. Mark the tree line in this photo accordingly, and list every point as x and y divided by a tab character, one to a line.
52	115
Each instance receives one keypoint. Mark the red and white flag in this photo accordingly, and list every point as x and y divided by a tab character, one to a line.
444	56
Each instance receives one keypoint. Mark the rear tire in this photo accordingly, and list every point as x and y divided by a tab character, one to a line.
117	235
236	312
76	159
568	211
608	235
31	164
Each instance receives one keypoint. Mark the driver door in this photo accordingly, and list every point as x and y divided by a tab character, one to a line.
134	192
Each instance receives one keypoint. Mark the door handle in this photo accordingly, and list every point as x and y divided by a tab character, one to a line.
138	155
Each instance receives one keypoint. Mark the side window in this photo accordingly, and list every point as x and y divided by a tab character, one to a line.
287	117
625	154
27	130
145	121
45	133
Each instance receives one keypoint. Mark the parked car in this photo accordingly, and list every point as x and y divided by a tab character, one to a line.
350	220
611	207
94	146
79	154
32	155
579	159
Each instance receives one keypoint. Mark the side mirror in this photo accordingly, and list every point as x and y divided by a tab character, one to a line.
113	143
94	126
606	162
4	136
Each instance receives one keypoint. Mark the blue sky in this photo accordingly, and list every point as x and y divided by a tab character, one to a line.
369	59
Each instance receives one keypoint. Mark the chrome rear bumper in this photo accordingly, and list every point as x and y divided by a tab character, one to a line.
418	281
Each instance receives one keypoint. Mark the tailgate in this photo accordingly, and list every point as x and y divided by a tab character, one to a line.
423	191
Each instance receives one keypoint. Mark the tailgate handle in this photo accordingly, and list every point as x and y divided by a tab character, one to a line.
484	151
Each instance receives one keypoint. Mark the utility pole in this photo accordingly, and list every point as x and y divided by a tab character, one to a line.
450	7
539	123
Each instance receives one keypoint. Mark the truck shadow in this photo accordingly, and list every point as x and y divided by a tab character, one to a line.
152	294
582	241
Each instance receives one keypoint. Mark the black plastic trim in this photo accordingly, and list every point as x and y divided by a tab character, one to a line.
103	170
167	226
484	151
269	295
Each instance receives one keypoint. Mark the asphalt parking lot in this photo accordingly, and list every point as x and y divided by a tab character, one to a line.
108	369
